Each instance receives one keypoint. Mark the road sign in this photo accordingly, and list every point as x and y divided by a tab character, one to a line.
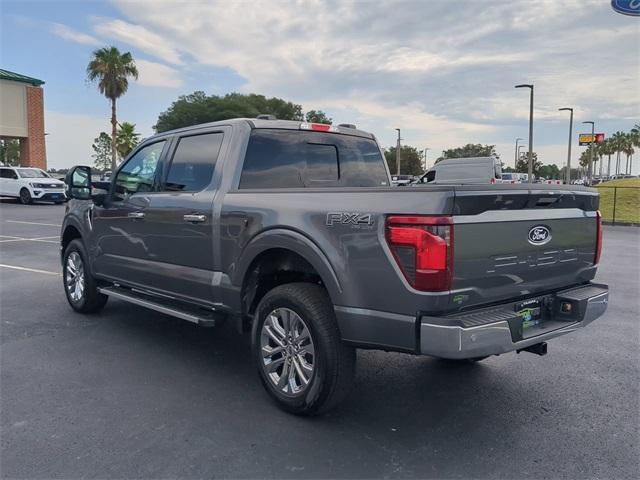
585	139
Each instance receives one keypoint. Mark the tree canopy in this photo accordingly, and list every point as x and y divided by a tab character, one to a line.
102	151
470	150
10	151
127	139
198	107
522	166
410	160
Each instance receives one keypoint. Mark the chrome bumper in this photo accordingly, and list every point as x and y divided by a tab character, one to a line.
458	342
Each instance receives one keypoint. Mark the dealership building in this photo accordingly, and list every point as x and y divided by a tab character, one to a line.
22	116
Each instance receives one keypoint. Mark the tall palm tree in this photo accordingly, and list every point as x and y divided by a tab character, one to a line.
628	151
618	140
635	141
112	70
608	149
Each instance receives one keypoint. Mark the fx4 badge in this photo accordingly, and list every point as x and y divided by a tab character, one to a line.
349	218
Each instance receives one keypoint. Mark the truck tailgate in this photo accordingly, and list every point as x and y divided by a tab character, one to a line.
520	242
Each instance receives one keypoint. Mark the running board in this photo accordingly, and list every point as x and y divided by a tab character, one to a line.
175	308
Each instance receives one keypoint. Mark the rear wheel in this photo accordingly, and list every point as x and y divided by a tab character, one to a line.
79	285
301	359
25	197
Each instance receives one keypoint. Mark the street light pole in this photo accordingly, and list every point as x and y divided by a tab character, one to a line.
425	157
593	134
568	172
515	160
530	170
519	154
398	152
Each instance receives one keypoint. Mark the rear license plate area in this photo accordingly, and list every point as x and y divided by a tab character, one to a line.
531	318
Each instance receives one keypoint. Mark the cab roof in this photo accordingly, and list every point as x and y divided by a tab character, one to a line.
264	123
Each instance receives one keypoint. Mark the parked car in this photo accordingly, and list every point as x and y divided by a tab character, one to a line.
28	184
401	180
476	170
292	232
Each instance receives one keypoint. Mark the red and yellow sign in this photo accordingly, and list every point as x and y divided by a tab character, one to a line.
585	139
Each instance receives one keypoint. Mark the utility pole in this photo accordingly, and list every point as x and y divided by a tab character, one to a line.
530	170
568	172
425	157
515	160
398	152
593	135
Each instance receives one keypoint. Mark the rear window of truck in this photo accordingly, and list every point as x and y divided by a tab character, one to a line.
296	159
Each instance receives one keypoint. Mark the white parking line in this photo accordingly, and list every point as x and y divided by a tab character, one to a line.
22	239
34	223
33	270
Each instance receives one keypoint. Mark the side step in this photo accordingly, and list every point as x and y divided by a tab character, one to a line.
166	305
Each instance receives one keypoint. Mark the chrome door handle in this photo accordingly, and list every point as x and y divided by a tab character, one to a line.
195	218
135	215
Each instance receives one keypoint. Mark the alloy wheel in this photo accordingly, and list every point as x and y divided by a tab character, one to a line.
74	277
288	354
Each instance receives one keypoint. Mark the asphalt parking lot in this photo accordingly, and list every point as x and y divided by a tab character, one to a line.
131	393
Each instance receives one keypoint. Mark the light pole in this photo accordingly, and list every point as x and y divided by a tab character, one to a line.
519	154
593	127
568	172
515	160
530	170
426	149
398	152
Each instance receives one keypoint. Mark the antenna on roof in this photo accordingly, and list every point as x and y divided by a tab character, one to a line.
264	116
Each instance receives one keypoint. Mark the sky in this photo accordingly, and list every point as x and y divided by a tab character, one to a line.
442	71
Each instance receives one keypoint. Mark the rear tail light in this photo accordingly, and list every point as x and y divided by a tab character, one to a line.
596	260
423	249
493	180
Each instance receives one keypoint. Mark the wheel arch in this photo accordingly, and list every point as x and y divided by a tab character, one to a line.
282	256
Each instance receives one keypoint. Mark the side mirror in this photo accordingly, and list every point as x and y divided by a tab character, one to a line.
79	185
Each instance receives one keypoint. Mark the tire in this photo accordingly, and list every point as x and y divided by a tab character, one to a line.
80	287
25	197
305	312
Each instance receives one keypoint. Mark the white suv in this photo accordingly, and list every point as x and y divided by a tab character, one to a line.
29	184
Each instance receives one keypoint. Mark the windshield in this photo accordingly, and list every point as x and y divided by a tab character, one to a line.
32	173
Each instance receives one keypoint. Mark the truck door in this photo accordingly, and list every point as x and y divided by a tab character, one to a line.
180	224
120	247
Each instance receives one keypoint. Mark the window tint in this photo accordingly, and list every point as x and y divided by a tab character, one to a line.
138	173
193	162
294	159
8	173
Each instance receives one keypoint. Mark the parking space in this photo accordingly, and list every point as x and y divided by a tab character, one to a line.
131	393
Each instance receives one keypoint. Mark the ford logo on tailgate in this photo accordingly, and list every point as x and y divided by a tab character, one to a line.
539	235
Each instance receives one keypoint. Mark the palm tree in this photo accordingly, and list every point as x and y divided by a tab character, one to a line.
618	141
608	149
112	70
635	141
628	151
127	139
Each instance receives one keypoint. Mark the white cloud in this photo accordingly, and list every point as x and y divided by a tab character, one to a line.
70	136
152	74
72	35
139	37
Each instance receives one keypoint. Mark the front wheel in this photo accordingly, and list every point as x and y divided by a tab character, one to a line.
79	285
25	197
303	363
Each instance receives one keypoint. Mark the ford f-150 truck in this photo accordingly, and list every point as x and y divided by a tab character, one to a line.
293	232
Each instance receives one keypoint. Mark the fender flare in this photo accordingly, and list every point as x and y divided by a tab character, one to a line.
287	239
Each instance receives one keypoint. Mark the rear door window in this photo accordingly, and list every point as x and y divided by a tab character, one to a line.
193	163
294	159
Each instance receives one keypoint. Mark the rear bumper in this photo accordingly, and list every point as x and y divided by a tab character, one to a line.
473	334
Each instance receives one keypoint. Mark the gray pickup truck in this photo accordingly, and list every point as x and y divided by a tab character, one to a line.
293	232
